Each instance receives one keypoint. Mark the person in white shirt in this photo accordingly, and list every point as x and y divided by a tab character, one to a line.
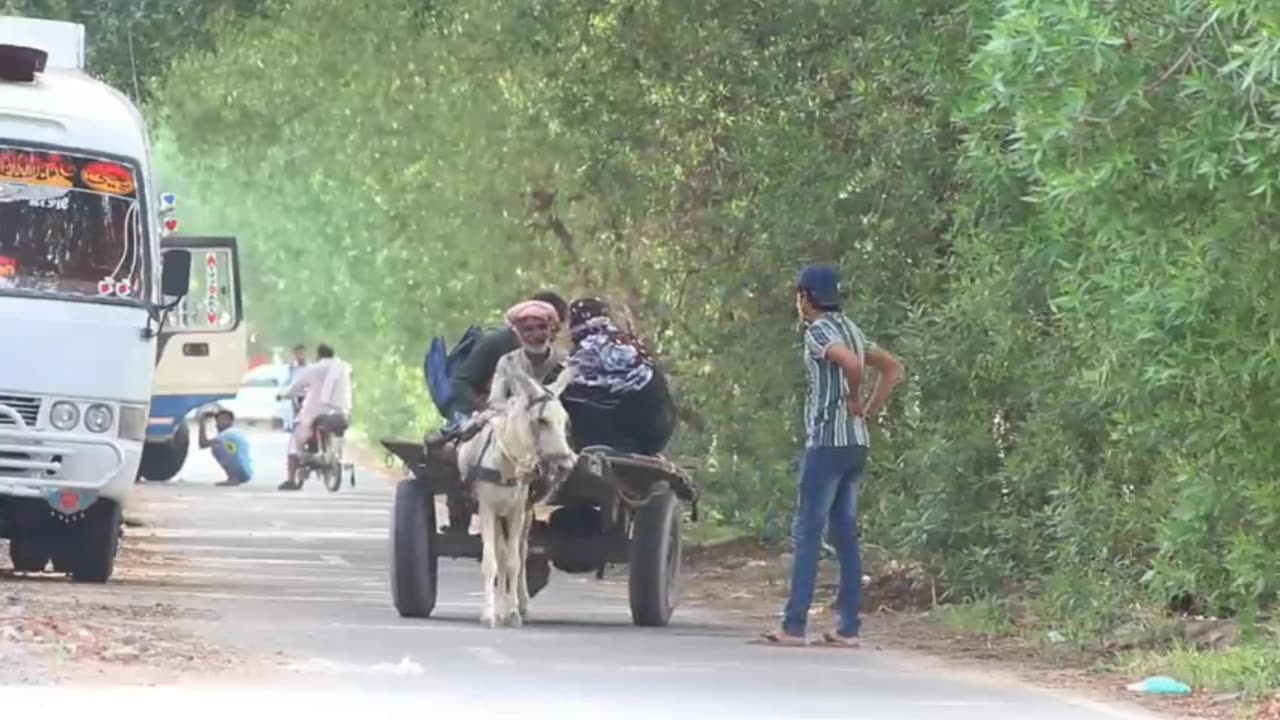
325	388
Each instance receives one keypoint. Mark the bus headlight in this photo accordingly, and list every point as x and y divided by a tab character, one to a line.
98	418
64	415
133	422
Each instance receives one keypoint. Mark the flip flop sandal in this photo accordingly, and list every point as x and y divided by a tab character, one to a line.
777	638
832	639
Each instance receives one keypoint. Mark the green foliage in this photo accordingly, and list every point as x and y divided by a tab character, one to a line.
1059	213
131	42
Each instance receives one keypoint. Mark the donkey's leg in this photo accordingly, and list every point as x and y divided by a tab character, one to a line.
514	565
488	563
527	517
502	525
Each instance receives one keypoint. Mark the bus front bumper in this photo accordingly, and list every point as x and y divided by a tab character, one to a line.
68	470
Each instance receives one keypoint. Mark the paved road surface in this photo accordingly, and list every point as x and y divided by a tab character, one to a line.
303	577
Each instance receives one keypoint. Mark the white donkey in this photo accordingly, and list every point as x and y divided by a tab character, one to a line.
525	438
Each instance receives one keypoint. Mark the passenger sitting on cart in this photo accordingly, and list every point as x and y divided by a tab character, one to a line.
536	324
471	382
618	396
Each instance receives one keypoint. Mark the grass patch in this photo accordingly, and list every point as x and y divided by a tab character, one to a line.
977	617
708	531
1253	669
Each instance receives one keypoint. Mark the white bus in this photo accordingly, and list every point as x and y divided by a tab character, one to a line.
86	301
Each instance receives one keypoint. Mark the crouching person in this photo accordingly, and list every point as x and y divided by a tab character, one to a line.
230	447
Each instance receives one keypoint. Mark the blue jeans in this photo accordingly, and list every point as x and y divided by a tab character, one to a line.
828	494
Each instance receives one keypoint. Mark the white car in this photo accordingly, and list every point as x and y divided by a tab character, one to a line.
256	401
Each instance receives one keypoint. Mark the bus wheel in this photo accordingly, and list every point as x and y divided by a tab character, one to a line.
163	461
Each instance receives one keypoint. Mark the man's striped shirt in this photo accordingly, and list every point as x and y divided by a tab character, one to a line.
827	421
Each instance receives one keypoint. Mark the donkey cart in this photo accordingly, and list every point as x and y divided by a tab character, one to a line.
614	508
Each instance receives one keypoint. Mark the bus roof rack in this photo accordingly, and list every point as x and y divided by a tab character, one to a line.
21	64
62	41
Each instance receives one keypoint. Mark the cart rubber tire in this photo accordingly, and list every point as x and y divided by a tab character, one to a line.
537	574
414	565
94	541
655	560
30	555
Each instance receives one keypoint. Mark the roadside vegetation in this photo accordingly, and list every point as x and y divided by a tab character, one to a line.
1061	214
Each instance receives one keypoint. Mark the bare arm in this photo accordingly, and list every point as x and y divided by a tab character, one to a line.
851	364
889	370
305	379
203	424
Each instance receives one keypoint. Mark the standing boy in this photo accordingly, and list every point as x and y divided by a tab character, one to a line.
836	442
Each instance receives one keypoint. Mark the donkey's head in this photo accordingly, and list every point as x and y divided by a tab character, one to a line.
539	424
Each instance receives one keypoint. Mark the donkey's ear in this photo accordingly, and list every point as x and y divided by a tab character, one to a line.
563	380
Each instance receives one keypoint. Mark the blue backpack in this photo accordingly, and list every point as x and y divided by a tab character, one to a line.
439	366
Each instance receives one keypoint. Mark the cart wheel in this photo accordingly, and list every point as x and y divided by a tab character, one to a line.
537	573
414	566
655	560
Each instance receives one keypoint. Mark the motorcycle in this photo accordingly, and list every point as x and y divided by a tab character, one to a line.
322	453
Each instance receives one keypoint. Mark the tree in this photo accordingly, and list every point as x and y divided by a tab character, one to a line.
1059	213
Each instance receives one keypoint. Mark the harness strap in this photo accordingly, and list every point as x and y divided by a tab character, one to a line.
485	474
493	475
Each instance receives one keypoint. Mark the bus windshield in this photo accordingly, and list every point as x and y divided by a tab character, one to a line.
70	225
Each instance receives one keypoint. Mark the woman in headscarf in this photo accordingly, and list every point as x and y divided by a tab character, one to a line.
619	396
536	324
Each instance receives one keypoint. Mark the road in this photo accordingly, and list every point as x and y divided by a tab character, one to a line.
296	585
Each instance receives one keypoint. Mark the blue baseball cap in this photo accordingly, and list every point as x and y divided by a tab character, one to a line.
821	283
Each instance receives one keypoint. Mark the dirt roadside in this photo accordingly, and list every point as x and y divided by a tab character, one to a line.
54	632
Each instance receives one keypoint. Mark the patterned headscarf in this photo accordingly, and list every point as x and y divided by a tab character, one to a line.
604	357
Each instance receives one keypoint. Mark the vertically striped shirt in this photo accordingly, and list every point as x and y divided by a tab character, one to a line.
826	414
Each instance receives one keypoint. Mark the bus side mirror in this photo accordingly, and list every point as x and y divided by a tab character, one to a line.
175	273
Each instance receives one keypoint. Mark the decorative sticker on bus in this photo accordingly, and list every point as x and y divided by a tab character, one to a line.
71	172
109	178
37	168
211	287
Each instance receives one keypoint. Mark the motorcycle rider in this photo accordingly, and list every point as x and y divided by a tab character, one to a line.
325	388
297	363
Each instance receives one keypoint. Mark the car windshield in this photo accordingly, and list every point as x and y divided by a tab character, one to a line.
70	225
